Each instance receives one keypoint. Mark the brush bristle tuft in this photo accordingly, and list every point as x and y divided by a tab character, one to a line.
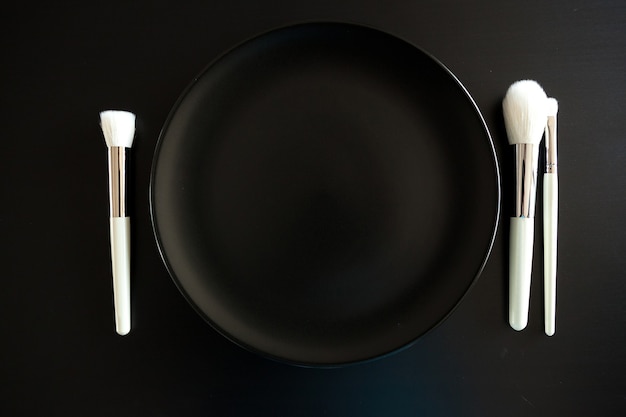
525	112
552	107
118	128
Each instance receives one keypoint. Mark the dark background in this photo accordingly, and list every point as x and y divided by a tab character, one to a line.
62	63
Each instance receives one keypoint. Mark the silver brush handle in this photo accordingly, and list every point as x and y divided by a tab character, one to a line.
118	160
526	156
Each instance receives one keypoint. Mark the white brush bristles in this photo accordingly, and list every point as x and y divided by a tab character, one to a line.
552	107
118	128
525	112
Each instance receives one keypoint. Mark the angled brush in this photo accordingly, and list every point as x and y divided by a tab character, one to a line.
550	219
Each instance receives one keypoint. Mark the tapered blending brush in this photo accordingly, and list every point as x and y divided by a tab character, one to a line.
525	112
118	128
550	219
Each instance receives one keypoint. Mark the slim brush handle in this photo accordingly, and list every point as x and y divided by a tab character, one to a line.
120	257
520	269
550	220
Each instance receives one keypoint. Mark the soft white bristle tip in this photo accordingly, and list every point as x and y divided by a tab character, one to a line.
118	127
525	108
552	106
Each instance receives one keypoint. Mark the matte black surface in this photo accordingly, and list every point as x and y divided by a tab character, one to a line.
64	62
325	193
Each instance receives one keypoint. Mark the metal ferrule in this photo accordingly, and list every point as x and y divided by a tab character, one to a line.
118	159
526	156
551	145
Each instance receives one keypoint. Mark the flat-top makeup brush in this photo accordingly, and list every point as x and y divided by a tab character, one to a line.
118	128
550	220
525	112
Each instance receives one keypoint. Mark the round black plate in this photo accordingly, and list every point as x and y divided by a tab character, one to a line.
325	193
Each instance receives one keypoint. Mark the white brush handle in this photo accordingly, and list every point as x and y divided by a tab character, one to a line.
520	269
120	257
550	220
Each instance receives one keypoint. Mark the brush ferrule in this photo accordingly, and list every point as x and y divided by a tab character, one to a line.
551	145
526	156
118	160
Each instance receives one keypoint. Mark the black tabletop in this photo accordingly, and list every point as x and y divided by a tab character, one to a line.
60	356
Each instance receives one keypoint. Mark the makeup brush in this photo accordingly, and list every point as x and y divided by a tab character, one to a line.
525	112
550	219
118	128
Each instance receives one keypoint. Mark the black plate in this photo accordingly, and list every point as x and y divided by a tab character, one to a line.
325	193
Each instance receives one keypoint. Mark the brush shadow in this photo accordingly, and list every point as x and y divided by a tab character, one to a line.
507	176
